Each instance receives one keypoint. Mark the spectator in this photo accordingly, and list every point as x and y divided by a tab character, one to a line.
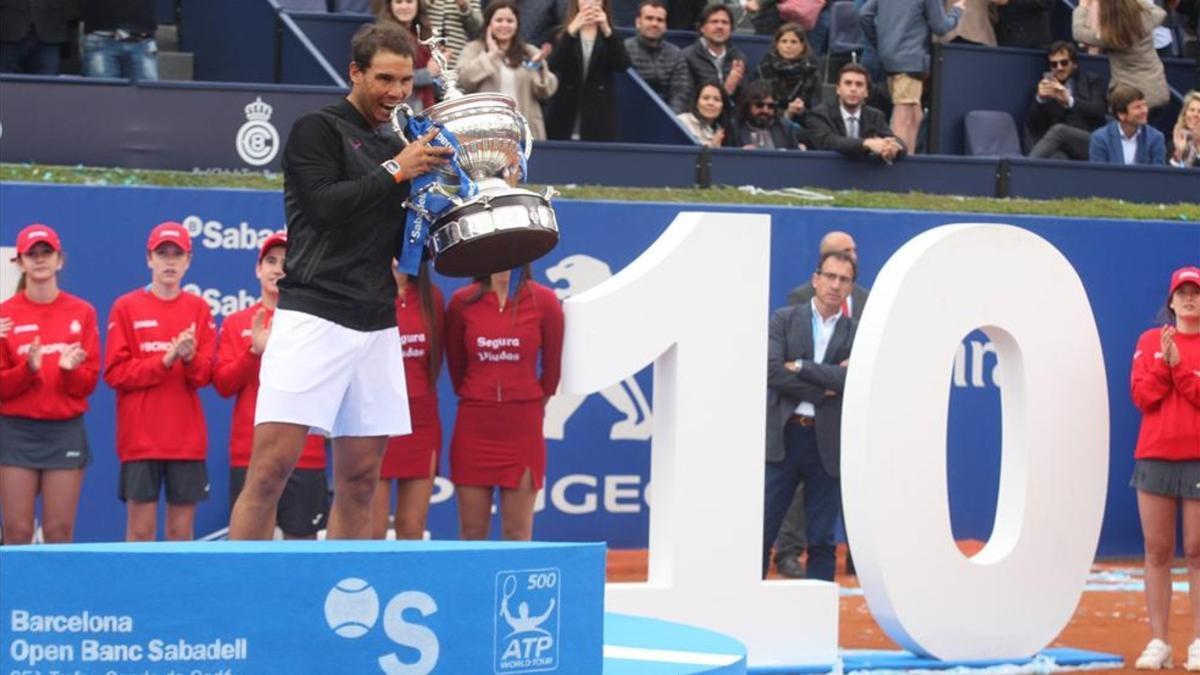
119	39
49	365
657	61
32	35
495	341
900	30
711	57
1068	106
541	19
455	20
159	354
411	461
851	127
411	16
304	506
1166	472
758	125
807	353
977	25
586	56
1023	23
501	61
1128	139
1125	30
1186	137
706	120
793	73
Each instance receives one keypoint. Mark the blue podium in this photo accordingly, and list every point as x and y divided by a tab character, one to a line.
302	607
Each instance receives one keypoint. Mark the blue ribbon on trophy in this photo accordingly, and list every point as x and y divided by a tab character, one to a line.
429	198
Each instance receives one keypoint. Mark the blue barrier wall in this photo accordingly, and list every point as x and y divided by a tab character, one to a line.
599	464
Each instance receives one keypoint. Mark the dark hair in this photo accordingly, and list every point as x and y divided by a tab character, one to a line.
657	4
854	68
420	23
485	282
515	54
425	293
713	9
1122	96
699	90
1063	46
794	29
375	37
838	255
754	92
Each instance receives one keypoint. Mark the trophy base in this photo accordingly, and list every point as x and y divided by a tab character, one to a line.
501	229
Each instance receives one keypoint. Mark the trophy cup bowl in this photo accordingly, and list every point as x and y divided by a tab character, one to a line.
503	226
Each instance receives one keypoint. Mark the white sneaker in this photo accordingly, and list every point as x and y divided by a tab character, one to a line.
1157	656
1193	662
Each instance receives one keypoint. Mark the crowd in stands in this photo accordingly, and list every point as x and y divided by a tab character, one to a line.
558	60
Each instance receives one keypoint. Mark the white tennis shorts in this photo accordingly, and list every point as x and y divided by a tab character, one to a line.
338	381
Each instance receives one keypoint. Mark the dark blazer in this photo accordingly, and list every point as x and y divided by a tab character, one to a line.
48	17
1024	23
1105	147
783	134
594	100
858	297
827	131
1090	93
790	337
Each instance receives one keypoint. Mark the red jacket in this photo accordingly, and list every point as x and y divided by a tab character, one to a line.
50	393
492	354
1169	398
236	372
158	409
414	337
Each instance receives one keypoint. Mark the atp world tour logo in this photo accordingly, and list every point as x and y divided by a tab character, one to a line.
527	620
257	140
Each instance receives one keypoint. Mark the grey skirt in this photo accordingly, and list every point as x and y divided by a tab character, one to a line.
1166	477
43	444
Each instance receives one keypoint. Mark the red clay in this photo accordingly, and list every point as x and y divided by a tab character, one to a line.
1114	622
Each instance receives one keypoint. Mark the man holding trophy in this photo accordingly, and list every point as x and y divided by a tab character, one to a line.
353	202
333	361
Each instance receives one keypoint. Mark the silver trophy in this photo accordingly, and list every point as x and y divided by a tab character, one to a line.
503	226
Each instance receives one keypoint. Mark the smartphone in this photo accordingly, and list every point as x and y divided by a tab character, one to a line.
1048	75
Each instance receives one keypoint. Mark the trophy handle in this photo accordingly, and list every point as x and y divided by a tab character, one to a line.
527	146
397	126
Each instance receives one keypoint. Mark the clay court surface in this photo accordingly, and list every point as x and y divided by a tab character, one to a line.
1111	621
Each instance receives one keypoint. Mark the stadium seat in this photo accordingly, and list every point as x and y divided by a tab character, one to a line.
352	6
303	5
845	34
992	133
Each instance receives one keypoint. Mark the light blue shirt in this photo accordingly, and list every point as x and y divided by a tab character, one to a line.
822	333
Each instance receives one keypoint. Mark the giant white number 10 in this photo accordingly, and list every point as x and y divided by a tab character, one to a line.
695	303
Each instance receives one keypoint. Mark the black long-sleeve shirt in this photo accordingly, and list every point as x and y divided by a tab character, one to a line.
135	16
345	214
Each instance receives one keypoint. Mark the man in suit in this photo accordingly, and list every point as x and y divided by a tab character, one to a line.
807	352
758	125
791	540
1068	106
1128	139
850	126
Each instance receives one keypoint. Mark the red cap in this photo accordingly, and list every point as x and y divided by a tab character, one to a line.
277	239
169	232
1185	275
37	234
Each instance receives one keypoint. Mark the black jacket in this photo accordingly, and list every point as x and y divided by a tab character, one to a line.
1088	113
827	131
703	69
47	17
792	79
593	100
783	135
345	214
1024	23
